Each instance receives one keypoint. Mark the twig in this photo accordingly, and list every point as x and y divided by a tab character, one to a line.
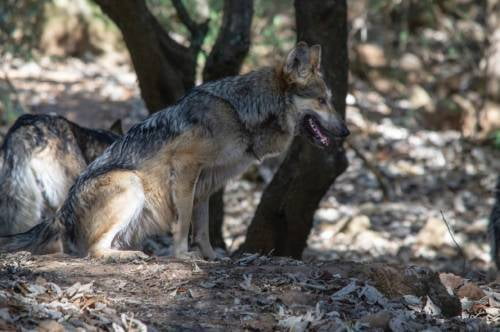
381	179
460	250
184	16
197	30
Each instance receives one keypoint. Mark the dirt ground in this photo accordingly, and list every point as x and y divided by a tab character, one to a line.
430	179
249	294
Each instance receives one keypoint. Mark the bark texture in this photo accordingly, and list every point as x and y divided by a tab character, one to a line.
284	217
165	69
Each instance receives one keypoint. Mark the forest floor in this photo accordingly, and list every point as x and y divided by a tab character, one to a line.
358	270
253	293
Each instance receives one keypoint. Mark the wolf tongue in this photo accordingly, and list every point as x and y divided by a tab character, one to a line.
317	131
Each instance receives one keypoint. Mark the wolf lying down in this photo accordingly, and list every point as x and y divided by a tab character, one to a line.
158	177
40	159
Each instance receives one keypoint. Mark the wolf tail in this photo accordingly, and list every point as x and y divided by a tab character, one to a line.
44	238
494	227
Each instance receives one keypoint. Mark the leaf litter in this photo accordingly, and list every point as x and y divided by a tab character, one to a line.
69	294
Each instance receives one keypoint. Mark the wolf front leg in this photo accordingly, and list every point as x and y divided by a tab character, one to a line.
183	196
201	229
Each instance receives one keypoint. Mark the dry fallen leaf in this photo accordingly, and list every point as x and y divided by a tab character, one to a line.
451	281
351	287
470	291
71	291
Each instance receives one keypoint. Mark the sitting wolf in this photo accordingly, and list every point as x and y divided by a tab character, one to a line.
159	176
40	159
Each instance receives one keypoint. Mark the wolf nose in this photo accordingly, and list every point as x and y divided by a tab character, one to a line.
342	131
345	132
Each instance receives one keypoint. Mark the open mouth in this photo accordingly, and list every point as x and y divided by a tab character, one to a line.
313	128
316	131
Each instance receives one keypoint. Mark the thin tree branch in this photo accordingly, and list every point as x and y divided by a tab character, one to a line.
233	40
460	250
165	68
185	18
198	31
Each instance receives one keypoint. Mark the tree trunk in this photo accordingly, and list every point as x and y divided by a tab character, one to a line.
284	217
165	69
233	41
226	58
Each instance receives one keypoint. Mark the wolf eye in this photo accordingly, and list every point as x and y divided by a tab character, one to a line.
322	101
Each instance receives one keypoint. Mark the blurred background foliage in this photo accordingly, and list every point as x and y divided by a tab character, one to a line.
21	36
437	59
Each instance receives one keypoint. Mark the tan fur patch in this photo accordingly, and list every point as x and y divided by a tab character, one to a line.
109	201
158	174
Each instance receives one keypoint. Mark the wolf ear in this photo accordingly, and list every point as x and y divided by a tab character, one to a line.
315	57
116	127
297	64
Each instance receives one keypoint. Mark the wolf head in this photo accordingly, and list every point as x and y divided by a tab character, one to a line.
312	109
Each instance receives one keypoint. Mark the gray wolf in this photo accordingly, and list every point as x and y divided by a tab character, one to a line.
40	159
494	228
158	177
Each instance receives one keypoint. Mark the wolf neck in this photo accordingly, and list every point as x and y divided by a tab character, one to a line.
255	96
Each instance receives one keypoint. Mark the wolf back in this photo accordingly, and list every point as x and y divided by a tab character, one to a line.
41	156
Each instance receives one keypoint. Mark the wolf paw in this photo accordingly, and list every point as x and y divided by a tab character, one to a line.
221	254
191	255
121	256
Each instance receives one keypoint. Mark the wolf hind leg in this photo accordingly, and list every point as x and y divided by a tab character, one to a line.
201	229
121	206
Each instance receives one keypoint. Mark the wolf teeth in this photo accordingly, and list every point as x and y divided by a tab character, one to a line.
316	130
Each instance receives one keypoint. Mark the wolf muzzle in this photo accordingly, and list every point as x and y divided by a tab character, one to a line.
323	132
